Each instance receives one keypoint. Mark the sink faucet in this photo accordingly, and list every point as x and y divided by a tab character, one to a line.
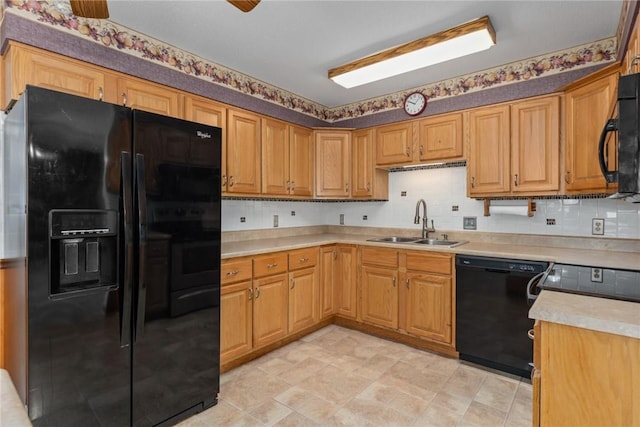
416	220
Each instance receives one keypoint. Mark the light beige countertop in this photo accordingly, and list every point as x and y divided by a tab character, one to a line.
606	258
598	314
12	412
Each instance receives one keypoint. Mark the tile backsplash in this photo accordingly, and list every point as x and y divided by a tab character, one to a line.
444	190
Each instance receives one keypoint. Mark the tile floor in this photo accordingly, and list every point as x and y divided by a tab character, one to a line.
340	377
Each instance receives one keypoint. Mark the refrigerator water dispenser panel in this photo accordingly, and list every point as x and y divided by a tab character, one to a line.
83	250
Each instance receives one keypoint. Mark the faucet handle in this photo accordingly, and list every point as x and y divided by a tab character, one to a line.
445	236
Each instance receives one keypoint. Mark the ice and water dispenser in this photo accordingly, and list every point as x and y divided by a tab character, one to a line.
83	250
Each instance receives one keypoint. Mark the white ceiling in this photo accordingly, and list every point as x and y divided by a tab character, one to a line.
293	43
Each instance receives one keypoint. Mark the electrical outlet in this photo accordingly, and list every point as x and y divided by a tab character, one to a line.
596	275
341	219
275	220
403	194
597	226
293	213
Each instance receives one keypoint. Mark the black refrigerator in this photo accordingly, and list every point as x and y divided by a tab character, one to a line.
120	213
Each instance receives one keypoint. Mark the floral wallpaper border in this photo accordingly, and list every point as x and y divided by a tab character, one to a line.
109	34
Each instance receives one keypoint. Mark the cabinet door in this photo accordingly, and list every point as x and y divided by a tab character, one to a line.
328	279
270	309
301	161
394	144
362	168
235	320
303	299
428	306
243	152
440	138
333	163
587	110
535	145
147	96
275	157
488	159
202	110
26	66
379	304
345	282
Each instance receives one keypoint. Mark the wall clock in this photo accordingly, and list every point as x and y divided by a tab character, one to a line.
415	103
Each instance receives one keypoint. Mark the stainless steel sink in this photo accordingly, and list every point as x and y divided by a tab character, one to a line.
436	242
395	239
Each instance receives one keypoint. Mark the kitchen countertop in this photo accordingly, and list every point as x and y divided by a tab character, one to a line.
589	257
598	314
12	412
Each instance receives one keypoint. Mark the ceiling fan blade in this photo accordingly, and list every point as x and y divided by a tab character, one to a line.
90	8
244	5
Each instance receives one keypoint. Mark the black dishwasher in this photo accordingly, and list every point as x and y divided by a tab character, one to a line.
492	311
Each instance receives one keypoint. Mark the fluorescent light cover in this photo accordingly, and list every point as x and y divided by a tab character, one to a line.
463	40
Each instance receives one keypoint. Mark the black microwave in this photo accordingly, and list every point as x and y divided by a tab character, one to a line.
628	127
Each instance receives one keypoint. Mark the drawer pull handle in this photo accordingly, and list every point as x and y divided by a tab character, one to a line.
257	293
304	259
232	272
293	283
272	265
101	93
530	334
250	294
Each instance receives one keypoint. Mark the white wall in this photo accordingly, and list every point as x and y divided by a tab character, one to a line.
442	189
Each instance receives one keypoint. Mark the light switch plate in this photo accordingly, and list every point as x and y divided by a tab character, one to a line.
469	223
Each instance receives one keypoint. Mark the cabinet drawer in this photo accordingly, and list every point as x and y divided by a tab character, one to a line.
429	262
379	257
235	270
303	258
266	265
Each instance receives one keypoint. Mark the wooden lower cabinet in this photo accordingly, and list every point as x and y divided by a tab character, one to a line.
411	292
379	296
303	298
345	281
585	378
270	306
427	295
236	320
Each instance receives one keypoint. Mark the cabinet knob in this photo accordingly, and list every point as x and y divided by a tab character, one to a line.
368	186
288	185
305	259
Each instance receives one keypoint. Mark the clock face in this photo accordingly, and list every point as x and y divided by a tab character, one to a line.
415	103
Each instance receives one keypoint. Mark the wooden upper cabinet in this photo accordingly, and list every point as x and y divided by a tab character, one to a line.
333	163
301	161
24	66
440	138
367	180
243	152
535	145
488	157
147	96
275	157
394	144
589	103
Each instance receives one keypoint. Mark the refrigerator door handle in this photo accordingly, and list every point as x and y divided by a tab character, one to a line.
125	315
142	250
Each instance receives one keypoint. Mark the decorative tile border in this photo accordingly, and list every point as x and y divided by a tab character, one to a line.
117	37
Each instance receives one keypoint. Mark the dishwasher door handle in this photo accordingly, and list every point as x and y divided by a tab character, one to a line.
531	297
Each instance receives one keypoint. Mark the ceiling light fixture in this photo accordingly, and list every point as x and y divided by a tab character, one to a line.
465	39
